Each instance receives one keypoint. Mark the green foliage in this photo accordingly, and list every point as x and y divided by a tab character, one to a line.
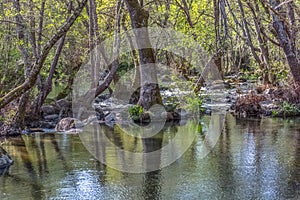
197	23
251	75
9	117
171	103
170	107
194	104
124	67
286	109
275	113
136	112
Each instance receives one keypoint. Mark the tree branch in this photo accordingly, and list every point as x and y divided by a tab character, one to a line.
38	64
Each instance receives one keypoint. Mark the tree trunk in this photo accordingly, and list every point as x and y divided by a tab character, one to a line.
47	86
113	67
18	121
286	42
137	79
149	93
266	67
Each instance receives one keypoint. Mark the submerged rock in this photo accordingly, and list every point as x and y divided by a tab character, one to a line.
5	161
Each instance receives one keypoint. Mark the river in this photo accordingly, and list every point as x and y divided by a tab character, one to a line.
252	159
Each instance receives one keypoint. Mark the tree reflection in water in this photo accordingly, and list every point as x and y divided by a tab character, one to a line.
253	159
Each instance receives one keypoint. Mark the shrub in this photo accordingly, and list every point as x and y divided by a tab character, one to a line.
136	112
193	104
286	109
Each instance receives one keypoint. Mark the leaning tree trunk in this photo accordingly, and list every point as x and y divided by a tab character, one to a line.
46	88
149	92
286	42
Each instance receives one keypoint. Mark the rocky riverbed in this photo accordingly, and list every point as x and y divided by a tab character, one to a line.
242	98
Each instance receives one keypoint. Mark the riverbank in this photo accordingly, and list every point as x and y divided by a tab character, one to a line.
240	97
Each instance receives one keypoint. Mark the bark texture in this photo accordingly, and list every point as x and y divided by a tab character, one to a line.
149	91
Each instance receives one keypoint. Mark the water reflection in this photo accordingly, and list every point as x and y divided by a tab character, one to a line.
152	185
253	159
126	149
152	179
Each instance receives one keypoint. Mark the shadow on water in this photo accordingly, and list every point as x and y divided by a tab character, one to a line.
30	152
152	181
252	159
35	187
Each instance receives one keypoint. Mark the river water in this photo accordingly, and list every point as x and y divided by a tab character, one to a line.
252	159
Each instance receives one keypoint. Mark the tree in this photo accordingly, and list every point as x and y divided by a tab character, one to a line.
33	68
149	91
285	29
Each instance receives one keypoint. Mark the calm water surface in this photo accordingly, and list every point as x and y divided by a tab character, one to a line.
253	159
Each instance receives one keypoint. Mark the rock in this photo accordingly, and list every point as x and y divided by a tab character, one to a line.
182	122
249	105
169	116
102	98
65	108
217	86
90	120
170	107
63	103
33	130
51	117
49	110
47	124
68	123
5	161
183	113
207	111
110	118
268	106
176	115
32	123
99	114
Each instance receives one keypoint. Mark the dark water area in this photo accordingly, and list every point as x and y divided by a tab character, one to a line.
252	159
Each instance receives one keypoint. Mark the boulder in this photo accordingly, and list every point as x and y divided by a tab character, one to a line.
68	123
49	110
